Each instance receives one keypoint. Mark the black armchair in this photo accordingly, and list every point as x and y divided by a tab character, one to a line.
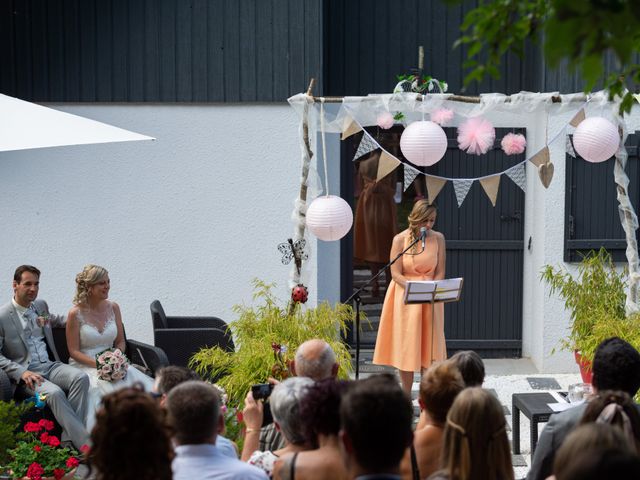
181	337
148	356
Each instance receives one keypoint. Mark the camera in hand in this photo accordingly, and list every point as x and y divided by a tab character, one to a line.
261	391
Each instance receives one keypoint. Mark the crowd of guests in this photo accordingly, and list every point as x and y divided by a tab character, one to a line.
323	427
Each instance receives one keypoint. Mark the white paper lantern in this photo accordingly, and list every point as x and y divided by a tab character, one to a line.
423	143
596	139
329	218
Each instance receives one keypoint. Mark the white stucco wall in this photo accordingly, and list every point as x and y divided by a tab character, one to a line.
188	219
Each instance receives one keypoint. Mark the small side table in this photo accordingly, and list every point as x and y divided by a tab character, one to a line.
535	408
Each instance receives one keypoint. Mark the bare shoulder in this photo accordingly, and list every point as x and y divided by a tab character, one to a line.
115	306
401	237
73	312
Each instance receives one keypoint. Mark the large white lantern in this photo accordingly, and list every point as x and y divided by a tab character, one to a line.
596	139
423	143
329	218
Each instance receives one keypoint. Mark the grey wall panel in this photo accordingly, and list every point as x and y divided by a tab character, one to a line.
160	50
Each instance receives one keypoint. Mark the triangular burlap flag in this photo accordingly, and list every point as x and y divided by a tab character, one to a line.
541	157
517	174
349	127
569	147
410	175
434	185
577	118
367	144
461	187
490	186
387	163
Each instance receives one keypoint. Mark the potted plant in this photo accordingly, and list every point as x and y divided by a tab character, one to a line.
266	338
595	298
39	455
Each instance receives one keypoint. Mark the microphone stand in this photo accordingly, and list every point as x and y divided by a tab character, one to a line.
356	297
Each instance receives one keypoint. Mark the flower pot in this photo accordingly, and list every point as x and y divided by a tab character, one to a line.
69	476
585	367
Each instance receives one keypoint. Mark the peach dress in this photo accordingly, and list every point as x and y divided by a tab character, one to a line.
404	334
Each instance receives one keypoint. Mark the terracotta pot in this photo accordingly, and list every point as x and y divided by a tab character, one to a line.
585	367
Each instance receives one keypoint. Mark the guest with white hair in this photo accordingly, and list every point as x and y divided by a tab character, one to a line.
284	402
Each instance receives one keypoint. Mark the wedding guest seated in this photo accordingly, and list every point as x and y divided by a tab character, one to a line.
169	377
376	417
314	359
194	415
471	367
596	451
439	387
25	327
475	439
616	366
617	409
284	403
320	411
130	440
94	325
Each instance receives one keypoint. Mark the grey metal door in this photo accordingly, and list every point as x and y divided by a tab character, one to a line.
485	245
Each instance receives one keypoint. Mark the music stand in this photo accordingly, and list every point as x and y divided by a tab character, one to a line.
433	291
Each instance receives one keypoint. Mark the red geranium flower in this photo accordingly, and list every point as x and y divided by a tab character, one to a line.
58	473
53	441
85	448
46	424
44	438
35	471
36	448
72	462
32	427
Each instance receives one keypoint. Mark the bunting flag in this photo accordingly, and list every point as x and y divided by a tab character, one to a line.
578	118
490	186
350	127
387	163
461	187
569	147
517	174
410	175
367	144
541	157
434	185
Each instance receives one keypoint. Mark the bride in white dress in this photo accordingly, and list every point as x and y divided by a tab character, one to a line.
94	324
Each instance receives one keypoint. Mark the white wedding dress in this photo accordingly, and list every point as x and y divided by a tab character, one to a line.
93	341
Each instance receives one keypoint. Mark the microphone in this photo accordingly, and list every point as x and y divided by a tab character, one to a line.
423	235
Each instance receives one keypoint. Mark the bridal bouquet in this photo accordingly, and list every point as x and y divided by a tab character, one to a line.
112	365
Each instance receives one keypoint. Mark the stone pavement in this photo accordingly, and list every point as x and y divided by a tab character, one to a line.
505	377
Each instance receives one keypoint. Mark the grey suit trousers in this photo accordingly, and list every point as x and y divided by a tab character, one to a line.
66	389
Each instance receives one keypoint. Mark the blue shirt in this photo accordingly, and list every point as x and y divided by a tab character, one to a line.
206	462
226	447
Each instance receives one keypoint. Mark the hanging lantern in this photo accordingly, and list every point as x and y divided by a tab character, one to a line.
423	143
329	218
596	139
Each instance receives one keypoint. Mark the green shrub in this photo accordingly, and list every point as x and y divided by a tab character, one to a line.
255	331
10	413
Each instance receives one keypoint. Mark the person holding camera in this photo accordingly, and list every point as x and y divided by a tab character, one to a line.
283	402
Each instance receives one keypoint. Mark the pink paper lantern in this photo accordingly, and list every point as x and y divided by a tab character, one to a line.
596	139
329	218
423	143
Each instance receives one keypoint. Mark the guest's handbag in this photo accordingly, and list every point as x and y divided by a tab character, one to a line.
112	365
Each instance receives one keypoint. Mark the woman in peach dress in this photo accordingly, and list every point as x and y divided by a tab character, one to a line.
404	336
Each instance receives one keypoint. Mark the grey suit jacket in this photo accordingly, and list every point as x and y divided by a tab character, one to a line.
14	352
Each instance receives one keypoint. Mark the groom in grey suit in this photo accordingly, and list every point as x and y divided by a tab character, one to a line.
24	324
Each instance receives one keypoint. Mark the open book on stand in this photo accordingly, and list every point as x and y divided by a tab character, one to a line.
427	291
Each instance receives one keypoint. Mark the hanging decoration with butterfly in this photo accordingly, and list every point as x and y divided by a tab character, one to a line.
293	251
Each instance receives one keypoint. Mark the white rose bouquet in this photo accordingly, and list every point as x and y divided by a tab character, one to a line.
112	365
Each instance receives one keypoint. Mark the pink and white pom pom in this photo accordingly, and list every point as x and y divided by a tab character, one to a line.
476	136
513	143
385	120
442	116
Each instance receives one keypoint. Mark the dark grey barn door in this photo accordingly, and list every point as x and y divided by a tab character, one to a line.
484	245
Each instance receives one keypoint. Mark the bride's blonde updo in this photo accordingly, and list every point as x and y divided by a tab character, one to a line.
90	275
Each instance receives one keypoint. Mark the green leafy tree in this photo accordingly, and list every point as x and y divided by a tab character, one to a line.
579	32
